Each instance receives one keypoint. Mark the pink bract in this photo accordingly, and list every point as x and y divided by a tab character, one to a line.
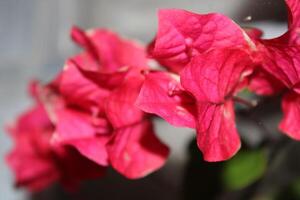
183	35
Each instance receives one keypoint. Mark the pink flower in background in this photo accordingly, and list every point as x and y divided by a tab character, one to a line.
37	163
280	70
93	105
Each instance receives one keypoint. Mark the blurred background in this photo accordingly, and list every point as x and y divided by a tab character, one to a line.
34	42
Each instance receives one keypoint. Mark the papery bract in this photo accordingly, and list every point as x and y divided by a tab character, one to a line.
98	89
36	163
134	150
33	169
163	95
120	108
109	50
183	35
282	61
76	108
213	82
291	115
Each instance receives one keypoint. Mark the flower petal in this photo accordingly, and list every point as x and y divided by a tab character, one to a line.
162	94
213	80
135	151
111	51
263	83
87	134
217	136
291	115
120	108
183	35
80	91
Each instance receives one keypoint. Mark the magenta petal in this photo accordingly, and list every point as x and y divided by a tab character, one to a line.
212	80
281	55
213	83
263	83
291	115
80	91
73	125
30	159
183	35
283	62
253	33
109	50
291	37
162	94
87	134
217	136
93	148
120	108
135	151
294	13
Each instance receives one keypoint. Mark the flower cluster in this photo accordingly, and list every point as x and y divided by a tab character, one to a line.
97	111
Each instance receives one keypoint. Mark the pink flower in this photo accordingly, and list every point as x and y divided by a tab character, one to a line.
281	70
183	35
36	163
203	100
216	58
93	109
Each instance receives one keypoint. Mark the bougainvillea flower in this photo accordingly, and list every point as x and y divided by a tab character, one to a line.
109	50
107	57
291	115
203	99
213	82
163	95
75	106
32	169
36	163
183	35
281	69
92	105
263	83
134	150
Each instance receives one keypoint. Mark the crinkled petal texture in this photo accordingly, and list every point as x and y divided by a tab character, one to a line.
217	135
292	35
213	83
291	115
281	55
283	62
109	50
163	95
80	91
214	80
88	135
135	151
120	108
183	35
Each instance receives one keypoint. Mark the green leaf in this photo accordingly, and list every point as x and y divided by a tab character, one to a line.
244	168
